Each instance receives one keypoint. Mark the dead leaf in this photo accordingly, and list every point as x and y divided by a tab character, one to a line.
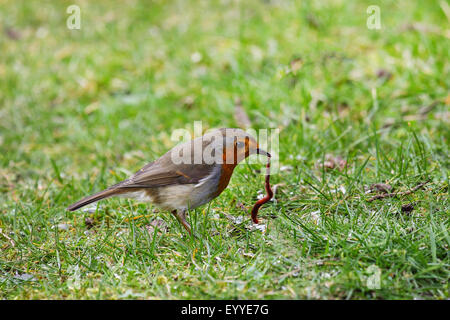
407	208
12	34
396	194
389	122
427	109
382	187
89	222
384	74
343	109
421	27
328	164
240	115
332	162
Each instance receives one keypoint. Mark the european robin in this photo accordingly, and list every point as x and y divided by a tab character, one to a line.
187	176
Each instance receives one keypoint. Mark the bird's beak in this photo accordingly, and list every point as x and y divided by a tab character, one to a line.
264	153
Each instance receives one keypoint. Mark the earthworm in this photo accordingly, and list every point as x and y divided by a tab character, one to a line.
268	196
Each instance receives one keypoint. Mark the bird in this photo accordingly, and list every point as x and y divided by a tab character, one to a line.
189	175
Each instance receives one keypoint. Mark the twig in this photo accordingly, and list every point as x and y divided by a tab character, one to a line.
11	241
240	115
404	193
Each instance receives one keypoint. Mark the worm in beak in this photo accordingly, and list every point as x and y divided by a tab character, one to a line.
264	153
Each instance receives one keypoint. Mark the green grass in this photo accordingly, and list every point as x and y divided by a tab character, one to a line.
82	109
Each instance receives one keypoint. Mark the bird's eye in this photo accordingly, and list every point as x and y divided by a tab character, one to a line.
240	144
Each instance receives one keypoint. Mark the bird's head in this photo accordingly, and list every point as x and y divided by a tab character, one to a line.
238	145
222	146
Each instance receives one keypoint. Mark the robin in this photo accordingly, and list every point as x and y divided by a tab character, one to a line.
187	176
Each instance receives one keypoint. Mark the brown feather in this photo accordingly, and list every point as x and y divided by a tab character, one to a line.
95	197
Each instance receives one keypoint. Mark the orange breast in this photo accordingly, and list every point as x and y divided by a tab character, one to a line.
225	175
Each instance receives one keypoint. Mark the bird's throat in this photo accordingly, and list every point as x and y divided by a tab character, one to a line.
225	176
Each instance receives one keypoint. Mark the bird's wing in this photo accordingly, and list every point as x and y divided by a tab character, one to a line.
164	171
157	176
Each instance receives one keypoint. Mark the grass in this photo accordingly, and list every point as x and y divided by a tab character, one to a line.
82	109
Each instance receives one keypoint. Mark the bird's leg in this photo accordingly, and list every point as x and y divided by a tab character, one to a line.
181	216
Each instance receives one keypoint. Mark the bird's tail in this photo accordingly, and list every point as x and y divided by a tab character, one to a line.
94	198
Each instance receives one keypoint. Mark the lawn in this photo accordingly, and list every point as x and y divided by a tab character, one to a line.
82	109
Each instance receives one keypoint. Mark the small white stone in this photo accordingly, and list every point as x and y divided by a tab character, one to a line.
61	226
